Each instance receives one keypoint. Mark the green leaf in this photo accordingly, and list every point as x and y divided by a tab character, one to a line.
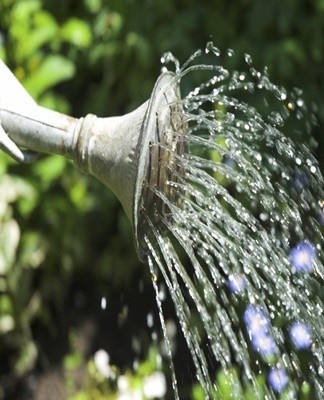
256	390
78	195
198	393
93	5
23	9
50	168
9	239
53	70
44	31
228	385
76	32
5	304
27	358
33	251
72	361
55	102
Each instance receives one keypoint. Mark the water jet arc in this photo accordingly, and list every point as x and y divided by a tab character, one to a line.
119	151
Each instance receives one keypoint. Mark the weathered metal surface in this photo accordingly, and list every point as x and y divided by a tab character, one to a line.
123	152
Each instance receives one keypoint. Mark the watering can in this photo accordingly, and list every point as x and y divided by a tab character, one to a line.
123	152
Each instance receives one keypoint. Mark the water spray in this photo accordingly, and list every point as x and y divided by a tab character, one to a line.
226	210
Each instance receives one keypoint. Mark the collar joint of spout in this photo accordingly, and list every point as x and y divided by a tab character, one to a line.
81	140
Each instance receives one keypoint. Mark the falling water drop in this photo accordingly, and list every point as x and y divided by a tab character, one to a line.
168	58
210	47
248	59
149	320
103	303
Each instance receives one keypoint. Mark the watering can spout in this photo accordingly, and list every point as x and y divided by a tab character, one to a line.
117	150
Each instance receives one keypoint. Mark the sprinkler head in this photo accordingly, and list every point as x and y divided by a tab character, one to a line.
162	145
135	155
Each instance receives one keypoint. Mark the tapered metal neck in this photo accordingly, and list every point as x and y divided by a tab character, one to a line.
41	130
119	151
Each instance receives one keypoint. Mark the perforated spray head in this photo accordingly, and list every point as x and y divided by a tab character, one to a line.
161	146
131	154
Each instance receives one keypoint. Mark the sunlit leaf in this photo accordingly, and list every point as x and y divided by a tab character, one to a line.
72	361
53	70
76	32
44	31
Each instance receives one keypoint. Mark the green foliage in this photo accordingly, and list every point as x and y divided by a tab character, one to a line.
52	70
229	387
104	380
58	226
76	32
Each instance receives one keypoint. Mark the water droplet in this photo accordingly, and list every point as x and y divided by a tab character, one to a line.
150	320
168	57
248	59
283	96
210	47
276	118
103	303
162	293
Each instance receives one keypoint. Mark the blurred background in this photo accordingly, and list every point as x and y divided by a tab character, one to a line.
78	317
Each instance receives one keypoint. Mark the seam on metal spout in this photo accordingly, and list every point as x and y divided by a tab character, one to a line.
81	138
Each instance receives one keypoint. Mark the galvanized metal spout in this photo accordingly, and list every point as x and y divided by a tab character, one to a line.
120	151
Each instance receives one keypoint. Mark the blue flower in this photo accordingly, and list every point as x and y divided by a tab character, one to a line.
256	321
258	327
302	257
277	379
264	345
300	335
236	283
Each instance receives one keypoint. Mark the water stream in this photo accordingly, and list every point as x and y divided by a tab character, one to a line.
239	240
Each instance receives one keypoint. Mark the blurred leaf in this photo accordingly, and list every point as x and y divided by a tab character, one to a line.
256	391
2	51
9	240
49	169
78	195
28	201
294	50
72	361
93	5
198	393
56	102
228	385
27	358
77	32
7	323
81	396
44	31
52	70
5	304
33	250
21	15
